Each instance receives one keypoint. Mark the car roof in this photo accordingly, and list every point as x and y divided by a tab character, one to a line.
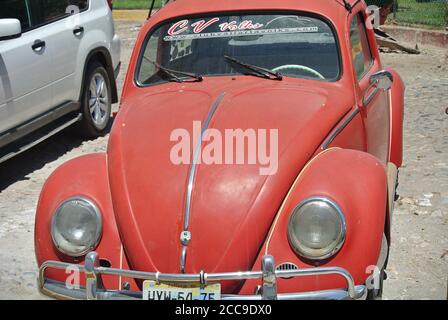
225	5
331	9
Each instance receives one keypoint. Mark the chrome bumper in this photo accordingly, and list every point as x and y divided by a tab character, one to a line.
268	291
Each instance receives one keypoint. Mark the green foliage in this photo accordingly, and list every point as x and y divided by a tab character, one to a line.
433	13
135	4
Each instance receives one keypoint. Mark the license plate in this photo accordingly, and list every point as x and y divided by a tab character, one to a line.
161	291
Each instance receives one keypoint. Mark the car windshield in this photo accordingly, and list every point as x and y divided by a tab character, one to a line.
286	44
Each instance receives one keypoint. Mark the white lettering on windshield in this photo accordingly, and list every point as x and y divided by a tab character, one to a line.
241	33
199	26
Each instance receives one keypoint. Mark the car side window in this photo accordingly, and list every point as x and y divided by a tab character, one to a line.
361	54
17	9
52	10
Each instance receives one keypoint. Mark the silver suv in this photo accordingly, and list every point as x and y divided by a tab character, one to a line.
58	63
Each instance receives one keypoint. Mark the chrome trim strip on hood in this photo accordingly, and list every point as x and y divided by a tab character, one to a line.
186	235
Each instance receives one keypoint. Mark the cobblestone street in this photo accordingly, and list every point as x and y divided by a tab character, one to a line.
418	265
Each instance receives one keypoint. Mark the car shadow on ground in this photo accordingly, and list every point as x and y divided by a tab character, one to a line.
20	167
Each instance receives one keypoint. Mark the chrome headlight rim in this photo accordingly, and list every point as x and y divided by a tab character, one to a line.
294	242
98	221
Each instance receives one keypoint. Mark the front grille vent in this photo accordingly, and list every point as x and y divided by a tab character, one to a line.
286	266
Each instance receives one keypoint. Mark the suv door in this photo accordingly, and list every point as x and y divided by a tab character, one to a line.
61	20
374	104
24	66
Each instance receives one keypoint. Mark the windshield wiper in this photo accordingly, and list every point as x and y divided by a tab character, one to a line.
265	73
172	73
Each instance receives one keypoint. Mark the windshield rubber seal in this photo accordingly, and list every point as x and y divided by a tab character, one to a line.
226	13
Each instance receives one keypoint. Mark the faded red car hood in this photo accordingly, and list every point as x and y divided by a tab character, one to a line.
233	206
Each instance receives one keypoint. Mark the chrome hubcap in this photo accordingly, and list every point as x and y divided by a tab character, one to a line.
98	100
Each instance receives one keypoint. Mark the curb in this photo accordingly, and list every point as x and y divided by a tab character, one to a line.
416	36
130	15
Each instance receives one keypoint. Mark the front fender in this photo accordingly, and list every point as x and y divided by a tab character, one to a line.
84	176
357	182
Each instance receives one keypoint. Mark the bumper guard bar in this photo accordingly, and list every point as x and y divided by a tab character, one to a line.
94	288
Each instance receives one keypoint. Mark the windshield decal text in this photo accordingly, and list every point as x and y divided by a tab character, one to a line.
245	25
197	27
240	33
202	25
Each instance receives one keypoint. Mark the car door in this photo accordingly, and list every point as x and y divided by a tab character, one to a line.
64	29
24	65
373	103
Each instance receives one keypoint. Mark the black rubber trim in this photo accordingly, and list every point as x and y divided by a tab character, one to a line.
37	123
236	12
117	70
14	36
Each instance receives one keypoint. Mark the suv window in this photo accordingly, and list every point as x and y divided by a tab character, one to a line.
294	45
17	9
33	13
51	10
361	54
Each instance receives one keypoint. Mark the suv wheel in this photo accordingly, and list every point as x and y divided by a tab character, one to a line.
96	101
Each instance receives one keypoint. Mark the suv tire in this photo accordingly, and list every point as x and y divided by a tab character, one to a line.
96	101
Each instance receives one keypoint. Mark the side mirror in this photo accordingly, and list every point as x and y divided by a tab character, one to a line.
10	29
382	80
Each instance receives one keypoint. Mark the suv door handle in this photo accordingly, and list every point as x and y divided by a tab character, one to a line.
38	45
78	30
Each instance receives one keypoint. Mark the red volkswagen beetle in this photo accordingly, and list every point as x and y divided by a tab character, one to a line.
254	156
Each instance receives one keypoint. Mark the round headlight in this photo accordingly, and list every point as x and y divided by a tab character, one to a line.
317	229
76	227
